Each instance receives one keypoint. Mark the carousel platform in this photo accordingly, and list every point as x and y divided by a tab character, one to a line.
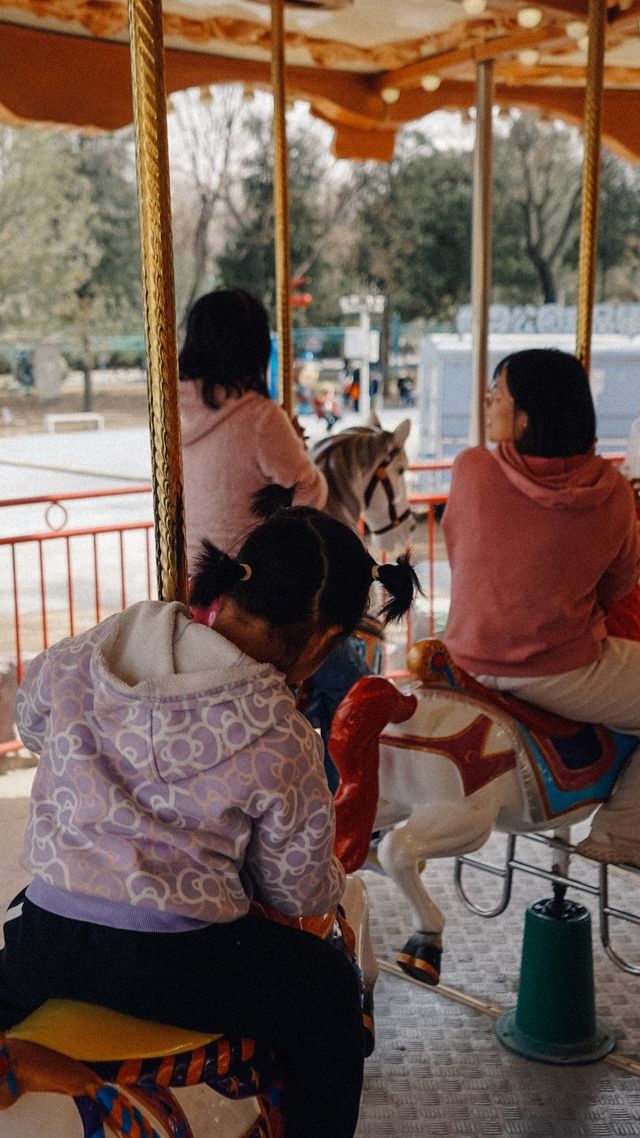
438	1070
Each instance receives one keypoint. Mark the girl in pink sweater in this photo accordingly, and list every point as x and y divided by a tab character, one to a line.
542	537
235	439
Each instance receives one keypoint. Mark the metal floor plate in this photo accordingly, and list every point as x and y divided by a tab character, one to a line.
438	1068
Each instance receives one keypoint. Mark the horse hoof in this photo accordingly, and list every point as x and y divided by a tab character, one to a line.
420	958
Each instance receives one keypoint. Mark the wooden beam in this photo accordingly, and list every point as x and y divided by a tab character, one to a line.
490	49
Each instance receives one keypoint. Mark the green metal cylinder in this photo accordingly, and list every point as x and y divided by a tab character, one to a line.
555	1018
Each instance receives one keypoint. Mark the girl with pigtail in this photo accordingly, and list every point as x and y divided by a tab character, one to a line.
177	783
320	694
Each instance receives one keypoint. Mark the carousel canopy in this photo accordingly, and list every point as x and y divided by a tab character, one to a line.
365	66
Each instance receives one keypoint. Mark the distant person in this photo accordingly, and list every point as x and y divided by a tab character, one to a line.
236	441
345	379
325	406
354	389
405	390
24	371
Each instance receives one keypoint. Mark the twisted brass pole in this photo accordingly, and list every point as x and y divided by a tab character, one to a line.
587	261
154	206
481	248
281	205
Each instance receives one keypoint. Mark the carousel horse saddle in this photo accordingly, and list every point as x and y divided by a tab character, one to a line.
118	1069
573	763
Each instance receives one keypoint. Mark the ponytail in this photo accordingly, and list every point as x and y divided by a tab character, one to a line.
272	498
215	573
401	582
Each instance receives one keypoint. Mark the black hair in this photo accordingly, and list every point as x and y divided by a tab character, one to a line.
306	570
552	388
227	343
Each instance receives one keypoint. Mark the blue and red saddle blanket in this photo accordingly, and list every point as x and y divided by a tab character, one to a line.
574	764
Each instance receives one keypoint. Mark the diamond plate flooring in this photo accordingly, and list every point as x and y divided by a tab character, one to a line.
438	1068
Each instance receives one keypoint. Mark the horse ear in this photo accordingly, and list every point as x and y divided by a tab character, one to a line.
373	421
401	433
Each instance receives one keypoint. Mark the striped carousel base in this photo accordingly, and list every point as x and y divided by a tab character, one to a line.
119	1070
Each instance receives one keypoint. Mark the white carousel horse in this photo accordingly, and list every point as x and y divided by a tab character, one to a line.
454	762
364	468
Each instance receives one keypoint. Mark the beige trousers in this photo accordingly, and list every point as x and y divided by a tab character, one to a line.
607	692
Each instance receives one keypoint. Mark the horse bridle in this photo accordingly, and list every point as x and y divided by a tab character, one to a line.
380	477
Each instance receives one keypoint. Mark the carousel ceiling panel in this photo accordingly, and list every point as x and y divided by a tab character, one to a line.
366	66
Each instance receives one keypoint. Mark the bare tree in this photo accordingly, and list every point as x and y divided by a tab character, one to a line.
206	132
540	169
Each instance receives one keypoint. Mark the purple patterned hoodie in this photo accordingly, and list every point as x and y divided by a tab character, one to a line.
176	778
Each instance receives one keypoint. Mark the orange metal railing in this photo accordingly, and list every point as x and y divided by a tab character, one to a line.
61	578
64	578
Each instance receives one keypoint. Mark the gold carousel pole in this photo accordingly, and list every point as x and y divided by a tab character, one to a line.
149	107
481	248
281	205
590	179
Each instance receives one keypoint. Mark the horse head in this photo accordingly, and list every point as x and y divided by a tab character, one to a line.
364	468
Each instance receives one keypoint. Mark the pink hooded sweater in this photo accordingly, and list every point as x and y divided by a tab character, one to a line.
538	548
231	453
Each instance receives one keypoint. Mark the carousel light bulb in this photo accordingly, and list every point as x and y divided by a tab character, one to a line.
583	44
390	94
576	29
529	17
430	82
528	56
474	7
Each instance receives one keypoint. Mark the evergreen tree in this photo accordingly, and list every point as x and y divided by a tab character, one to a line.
68	229
414	229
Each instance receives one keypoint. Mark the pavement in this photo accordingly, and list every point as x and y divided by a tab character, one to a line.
438	1070
73	460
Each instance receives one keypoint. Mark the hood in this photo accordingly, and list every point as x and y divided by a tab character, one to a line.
197	418
583	482
187	683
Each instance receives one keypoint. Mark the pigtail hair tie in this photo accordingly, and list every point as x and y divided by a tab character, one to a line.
214	573
401	583
247	571
375	571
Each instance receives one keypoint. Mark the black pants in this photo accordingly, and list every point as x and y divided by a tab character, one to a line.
252	977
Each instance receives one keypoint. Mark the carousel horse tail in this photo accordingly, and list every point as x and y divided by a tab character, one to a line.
370	704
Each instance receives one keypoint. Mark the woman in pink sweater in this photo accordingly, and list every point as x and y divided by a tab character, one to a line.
235	439
541	535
